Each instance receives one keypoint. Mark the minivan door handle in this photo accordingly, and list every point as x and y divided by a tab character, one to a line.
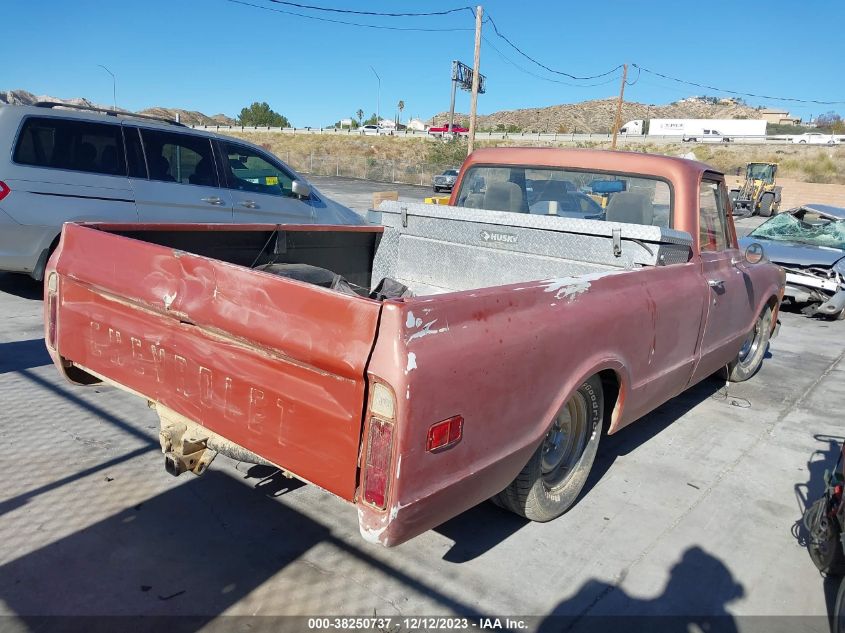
212	200
249	204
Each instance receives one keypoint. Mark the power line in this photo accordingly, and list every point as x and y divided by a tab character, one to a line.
347	23
533	74
543	66
735	92
375	13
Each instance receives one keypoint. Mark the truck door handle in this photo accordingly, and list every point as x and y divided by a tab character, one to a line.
212	200
716	284
249	204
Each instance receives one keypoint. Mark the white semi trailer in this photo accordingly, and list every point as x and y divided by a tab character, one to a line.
698	129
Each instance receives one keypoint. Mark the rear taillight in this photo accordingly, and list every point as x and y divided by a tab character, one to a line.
52	309
4	190
377	468
379	448
445	434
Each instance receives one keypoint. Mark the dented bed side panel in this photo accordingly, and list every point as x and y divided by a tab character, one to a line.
506	359
271	364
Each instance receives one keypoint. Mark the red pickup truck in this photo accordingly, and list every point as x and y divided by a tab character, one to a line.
447	355
444	129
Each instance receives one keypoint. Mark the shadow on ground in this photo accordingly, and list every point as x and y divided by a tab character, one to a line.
695	598
19	355
197	549
22	286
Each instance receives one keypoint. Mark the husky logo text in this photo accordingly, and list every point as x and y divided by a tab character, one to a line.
502	238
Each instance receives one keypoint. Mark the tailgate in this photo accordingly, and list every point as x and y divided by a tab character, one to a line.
274	365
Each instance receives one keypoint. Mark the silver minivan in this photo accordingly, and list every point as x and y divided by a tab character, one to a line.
60	164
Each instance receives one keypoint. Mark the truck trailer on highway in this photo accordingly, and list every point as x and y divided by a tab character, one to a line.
696	128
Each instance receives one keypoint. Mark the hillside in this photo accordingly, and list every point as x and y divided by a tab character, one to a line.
188	117
597	116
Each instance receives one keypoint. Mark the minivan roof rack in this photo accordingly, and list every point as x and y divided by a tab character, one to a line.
108	111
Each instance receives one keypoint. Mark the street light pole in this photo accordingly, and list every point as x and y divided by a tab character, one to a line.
113	86
378	97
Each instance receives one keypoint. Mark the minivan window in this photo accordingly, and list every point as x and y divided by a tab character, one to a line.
250	171
134	153
181	158
71	144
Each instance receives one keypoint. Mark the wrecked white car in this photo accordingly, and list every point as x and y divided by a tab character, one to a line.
809	244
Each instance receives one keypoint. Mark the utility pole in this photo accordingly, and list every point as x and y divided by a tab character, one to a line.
618	122
452	102
476	78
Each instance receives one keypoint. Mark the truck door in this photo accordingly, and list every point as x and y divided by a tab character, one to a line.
727	301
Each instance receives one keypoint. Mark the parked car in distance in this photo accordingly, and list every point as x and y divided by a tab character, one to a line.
373	130
707	136
444	181
60	164
816	138
809	244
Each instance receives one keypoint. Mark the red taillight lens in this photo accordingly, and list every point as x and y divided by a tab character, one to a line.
52	316
4	190
445	434
379	445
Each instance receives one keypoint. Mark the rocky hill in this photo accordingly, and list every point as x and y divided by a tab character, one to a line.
597	116
188	117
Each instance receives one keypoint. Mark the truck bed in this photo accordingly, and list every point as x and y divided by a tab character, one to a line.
285	370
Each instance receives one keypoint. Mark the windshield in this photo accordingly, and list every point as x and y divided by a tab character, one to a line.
805	227
568	193
759	171
450	172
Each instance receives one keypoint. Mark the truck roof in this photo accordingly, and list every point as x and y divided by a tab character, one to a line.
667	167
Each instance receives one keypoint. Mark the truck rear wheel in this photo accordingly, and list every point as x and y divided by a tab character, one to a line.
551	481
753	350
766	203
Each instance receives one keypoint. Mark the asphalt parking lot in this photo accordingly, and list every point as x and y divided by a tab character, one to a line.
693	511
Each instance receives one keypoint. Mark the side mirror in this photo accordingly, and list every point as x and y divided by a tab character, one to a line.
300	188
754	253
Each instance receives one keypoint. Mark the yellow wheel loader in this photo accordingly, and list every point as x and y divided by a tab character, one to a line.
758	194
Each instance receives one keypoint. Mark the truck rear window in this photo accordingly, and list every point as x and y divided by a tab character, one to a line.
572	194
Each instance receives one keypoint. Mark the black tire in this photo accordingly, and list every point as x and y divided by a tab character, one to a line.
436	189
766	203
753	350
838	623
554	476
824	543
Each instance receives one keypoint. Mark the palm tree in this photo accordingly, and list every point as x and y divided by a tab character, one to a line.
401	107
360	114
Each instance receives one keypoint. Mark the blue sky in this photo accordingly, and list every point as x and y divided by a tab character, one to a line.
219	56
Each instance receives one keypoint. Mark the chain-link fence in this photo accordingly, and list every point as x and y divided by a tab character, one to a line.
379	170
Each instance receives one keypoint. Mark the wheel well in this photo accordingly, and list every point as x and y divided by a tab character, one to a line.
610	390
38	272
